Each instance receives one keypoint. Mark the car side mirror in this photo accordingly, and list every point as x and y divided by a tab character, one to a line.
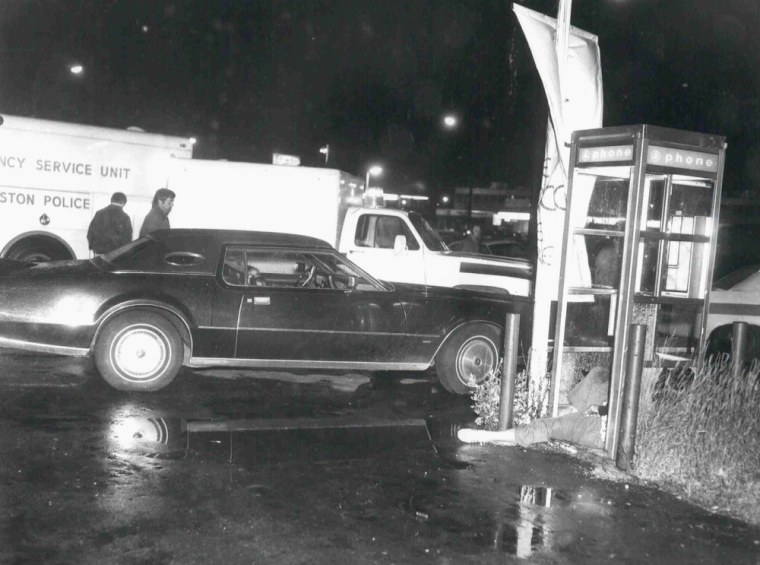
399	244
351	282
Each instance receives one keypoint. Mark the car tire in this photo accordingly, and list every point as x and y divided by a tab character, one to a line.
468	357
719	344
37	250
138	351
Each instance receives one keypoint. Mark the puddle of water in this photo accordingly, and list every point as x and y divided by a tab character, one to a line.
266	442
520	522
128	433
540	496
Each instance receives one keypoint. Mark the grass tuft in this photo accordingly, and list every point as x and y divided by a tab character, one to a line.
531	402
698	432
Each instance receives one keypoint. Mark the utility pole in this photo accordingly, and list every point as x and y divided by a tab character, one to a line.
539	358
563	34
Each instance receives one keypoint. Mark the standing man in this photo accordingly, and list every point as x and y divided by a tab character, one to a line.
110	227
472	243
158	217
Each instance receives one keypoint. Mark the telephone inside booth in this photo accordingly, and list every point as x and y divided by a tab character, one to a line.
638	248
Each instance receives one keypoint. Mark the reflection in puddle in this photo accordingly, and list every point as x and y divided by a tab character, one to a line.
530	532
531	527
525	530
131	432
264	441
131	427
270	441
536	496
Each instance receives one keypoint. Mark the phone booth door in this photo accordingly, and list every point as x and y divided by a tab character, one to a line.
639	245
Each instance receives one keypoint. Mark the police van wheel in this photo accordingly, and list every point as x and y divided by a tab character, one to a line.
138	351
468	357
38	250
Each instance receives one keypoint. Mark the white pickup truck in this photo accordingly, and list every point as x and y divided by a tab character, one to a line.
390	244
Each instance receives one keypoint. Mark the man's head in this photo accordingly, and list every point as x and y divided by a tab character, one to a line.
119	198
477	232
164	200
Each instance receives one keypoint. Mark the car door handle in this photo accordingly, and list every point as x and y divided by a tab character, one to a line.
261	300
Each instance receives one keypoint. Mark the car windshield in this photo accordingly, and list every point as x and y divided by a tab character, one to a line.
429	236
334	263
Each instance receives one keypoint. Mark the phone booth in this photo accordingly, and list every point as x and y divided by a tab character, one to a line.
639	247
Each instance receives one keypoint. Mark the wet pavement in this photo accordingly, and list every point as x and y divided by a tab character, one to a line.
287	468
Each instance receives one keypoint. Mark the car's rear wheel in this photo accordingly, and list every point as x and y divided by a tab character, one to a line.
138	351
720	343
468	357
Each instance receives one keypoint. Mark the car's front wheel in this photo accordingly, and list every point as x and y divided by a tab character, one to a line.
468	357
138	351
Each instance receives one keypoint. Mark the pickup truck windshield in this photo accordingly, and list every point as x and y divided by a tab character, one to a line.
429	236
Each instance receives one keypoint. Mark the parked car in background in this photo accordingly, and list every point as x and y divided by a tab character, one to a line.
734	298
205	298
505	247
447	236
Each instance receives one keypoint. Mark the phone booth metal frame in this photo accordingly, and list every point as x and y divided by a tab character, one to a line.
639	248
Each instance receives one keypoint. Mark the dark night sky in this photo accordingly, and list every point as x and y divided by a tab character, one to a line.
373	79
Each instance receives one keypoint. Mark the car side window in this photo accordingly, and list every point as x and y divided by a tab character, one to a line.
276	268
285	268
380	232
234	269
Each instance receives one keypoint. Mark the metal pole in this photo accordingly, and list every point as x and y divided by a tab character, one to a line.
738	348
537	362
563	33
630	409
508	371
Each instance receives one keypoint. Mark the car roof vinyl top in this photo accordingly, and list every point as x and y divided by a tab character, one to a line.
231	237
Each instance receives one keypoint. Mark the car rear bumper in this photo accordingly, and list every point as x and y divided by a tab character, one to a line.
43	347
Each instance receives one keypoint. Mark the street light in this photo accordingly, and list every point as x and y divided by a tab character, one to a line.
325	150
373	171
56	73
450	121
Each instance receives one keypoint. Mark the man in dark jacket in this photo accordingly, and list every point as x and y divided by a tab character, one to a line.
110	227
158	217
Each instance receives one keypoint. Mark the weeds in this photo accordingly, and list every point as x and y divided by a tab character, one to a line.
699	432
530	402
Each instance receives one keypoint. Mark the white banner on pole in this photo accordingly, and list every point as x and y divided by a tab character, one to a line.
574	93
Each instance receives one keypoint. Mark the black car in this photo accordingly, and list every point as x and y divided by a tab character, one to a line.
205	298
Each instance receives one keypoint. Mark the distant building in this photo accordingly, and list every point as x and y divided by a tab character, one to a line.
496	204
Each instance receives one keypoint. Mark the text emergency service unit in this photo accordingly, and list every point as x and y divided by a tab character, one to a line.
64	167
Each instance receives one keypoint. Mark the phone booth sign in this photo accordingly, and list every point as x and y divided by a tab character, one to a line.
638	248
